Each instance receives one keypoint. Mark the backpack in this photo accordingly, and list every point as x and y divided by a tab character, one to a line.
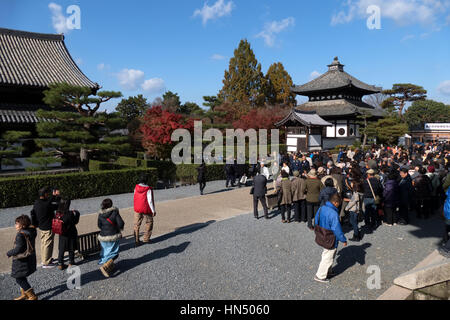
58	224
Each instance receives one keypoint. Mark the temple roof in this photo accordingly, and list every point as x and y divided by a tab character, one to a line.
37	60
340	107
334	78
305	118
20	114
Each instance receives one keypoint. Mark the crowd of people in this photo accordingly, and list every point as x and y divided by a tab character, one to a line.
381	185
51	215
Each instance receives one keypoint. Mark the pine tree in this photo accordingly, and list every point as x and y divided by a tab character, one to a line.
402	93
80	129
279	84
9	147
243	81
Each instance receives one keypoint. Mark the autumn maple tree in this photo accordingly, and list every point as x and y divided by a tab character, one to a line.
157	128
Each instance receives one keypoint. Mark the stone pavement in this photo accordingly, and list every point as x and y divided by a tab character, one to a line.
171	215
211	247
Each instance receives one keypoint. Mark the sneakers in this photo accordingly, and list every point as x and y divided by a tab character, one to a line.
321	280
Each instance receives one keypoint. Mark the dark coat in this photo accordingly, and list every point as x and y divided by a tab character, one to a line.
23	267
259	186
391	194
376	186
422	187
43	212
70	220
406	190
107	229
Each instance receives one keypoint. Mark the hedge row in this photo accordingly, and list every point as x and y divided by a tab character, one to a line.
22	191
95	165
188	172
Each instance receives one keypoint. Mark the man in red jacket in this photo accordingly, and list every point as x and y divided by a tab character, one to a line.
144	208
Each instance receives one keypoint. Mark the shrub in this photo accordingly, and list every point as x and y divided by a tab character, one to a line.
22	191
129	162
95	165
188	172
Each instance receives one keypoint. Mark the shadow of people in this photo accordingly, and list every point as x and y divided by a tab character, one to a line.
54	292
125	265
349	256
128	264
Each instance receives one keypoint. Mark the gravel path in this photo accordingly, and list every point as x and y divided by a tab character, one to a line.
91	205
241	258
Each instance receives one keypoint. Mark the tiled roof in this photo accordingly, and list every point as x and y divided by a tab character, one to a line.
340	107
37	60
12	113
305	118
334	78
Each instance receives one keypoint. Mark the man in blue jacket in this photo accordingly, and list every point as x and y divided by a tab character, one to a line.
329	219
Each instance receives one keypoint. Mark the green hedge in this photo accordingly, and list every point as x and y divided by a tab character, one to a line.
22	191
188	172
129	162
95	165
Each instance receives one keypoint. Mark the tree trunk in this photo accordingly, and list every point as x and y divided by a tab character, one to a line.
84	159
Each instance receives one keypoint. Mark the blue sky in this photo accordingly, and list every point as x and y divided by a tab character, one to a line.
147	47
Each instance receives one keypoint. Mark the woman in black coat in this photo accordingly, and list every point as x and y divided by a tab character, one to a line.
201	178
68	239
24	267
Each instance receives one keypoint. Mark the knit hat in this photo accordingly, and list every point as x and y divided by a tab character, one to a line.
371	171
296	173
431	169
320	170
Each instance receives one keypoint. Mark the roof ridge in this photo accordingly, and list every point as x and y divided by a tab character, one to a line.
32	35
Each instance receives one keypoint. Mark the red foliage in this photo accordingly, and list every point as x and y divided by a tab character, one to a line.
158	125
260	118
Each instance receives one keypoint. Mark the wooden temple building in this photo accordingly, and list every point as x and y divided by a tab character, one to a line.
29	63
337	98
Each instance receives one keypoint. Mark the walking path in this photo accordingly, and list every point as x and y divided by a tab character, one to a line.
210	247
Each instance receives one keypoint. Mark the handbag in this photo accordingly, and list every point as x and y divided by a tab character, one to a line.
28	252
243	179
375	198
324	237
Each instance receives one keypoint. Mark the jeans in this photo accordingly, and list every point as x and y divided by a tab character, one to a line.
311	210
23	283
354	223
370	214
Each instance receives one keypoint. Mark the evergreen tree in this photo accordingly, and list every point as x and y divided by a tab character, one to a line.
133	107
243	81
279	84
10	148
425	111
402	93
80	129
171	101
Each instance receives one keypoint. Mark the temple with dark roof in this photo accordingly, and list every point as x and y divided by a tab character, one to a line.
29	63
337	97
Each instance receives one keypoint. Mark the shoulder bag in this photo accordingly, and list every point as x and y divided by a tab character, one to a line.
324	237
375	198
28	252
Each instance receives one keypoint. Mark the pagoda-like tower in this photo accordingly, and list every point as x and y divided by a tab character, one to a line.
336	96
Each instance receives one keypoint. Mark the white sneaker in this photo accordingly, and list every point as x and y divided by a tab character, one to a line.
321	280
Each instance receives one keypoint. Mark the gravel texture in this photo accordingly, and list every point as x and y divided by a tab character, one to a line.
242	258
122	201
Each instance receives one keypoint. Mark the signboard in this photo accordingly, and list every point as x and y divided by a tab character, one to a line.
437	126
